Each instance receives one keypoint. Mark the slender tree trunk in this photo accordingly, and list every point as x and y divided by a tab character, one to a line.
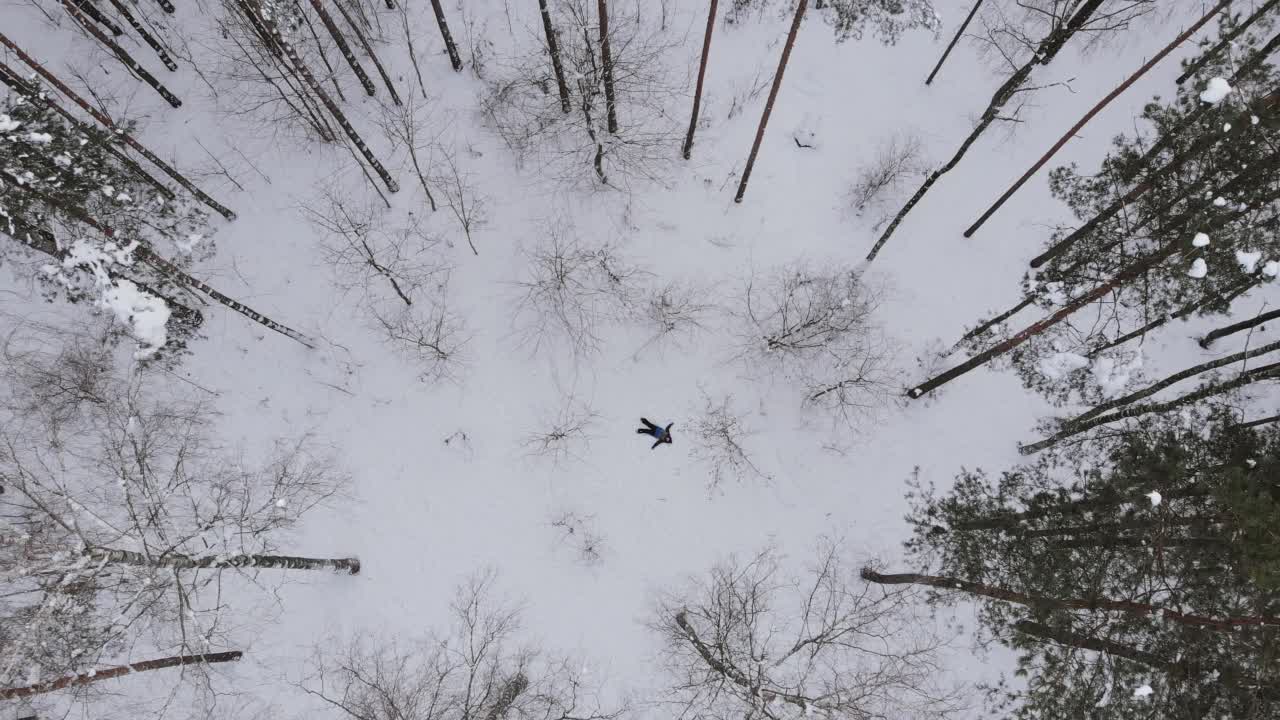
125	58
724	669
146	35
1044	54
1185	311
413	56
511	690
10	77
1155	59
702	73
333	109
1072	639
368	50
1092	604
1257	423
107	123
1125	275
166	6
554	48
1023	304
606	60
1013	522
1234	328
448	38
324	57
1209	390
1226	40
959	33
96	15
1084	530
184	562
118	671
773	96
336	33
176	274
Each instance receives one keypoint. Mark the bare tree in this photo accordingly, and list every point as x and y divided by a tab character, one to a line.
128	518
471	670
114	672
750	641
579	531
565	435
460	195
429	335
818	329
674	313
896	159
408	125
569	288
717	436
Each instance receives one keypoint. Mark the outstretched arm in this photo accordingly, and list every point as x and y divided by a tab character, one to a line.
656	443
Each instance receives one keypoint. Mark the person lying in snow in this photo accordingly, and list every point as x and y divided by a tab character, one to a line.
663	435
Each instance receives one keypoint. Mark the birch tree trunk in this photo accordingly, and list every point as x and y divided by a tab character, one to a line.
702	73
118	671
336	33
185	562
368	50
448	37
606	60
107	123
146	35
1234	328
773	95
554	48
125	58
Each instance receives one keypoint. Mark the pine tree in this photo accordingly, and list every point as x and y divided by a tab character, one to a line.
702	73
959	33
1155	554
553	48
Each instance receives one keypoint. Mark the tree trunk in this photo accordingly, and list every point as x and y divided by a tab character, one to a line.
733	674
324	57
166	6
107	123
333	109
1264	108
1080	530
773	95
146	36
1086	642
96	15
1155	59
1226	40
702	73
1125	275
125	58
507	695
1092	605
963	26
1256	423
554	48
606	60
448	38
336	33
369	50
176	274
118	671
413	56
1208	390
184	562
1024	303
1234	328
1188	310
1044	54
1012	521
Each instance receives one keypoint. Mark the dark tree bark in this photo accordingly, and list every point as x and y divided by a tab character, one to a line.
1132	271
448	38
1044	54
96	15
125	58
184	562
118	671
1073	639
1093	111
107	123
1208	390
1185	311
1234	328
1013	522
1023	304
702	73
145	34
1226	40
606	60
166	6
773	95
324	57
368	50
336	33
332	107
1259	421
1092	604
554	48
959	33
733	674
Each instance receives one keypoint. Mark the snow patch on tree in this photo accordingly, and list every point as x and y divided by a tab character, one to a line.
8	124
1059	365
1248	259
1200	240
1198	269
146	315
1218	89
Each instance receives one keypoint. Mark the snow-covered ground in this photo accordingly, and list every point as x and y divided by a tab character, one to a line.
427	513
